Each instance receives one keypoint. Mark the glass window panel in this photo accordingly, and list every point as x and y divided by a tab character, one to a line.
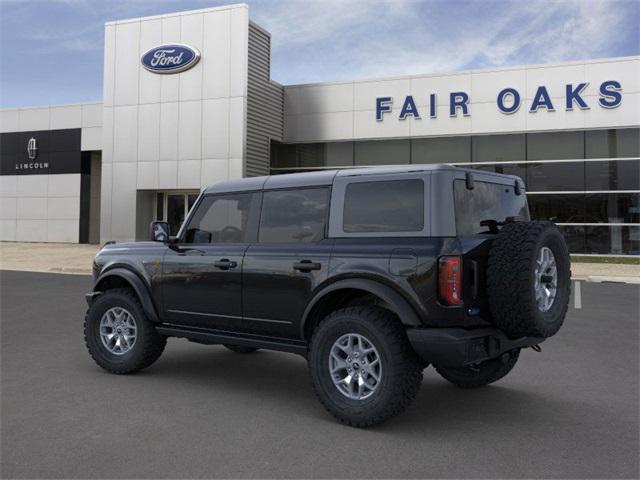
561	208
613	143
575	237
613	175
384	206
224	219
517	169
160	206
339	154
555	145
499	148
549	177
175	212
613	207
382	152
441	150
613	240
487	201
283	155
294	216
310	154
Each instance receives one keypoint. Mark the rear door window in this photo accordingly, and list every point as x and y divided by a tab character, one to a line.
294	216
384	206
487	201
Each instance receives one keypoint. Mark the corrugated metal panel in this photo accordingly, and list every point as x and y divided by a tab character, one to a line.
265	105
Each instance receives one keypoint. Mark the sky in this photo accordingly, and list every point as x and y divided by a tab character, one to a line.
51	51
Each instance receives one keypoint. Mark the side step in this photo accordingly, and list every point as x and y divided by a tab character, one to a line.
212	337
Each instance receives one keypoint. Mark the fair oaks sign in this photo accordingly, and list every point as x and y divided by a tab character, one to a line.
173	58
508	100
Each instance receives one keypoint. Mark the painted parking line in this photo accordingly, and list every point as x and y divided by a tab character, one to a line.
577	295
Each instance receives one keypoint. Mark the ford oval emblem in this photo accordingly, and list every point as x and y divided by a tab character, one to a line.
173	58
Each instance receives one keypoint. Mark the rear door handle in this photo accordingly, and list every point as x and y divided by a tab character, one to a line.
306	266
225	264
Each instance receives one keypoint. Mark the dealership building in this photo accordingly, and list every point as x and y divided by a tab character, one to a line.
188	101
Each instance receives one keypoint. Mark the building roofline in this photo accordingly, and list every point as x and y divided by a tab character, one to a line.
179	14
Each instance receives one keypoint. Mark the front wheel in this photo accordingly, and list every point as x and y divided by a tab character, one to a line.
482	374
119	336
363	368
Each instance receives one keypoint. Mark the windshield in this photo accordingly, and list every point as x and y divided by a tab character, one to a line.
487	201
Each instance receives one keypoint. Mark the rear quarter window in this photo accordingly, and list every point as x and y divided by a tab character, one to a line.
384	206
487	201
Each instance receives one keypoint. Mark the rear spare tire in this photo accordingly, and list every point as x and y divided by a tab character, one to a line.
529	279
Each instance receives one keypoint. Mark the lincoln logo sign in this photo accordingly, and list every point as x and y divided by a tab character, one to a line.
172	58
508	101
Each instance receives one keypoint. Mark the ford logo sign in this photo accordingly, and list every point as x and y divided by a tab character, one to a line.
173	58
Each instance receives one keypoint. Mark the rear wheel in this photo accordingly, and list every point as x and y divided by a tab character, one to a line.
240	348
482	374
363	368
119	336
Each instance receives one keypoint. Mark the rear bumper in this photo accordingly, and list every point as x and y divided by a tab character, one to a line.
457	347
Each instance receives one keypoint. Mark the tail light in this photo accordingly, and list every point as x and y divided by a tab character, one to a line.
450	280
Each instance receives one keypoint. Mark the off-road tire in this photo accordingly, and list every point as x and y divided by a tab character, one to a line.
510	279
401	370
240	348
483	374
148	346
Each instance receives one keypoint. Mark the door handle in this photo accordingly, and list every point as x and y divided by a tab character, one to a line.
225	264
306	266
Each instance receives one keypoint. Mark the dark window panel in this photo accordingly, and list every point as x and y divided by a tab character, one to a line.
175	212
441	150
562	208
517	169
339	154
613	240
283	155
548	177
575	236
159	206
612	143
555	145
294	216
384	206
613	175
310	155
613	207
382	152
499	148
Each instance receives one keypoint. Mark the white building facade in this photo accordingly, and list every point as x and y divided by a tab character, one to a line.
103	171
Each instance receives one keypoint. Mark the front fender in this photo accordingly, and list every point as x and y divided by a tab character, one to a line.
399	305
138	285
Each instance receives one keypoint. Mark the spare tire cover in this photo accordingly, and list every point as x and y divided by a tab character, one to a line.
529	279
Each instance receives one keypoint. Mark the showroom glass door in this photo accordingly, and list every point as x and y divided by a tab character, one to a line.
173	207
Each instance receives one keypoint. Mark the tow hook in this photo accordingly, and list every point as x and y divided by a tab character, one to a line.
536	348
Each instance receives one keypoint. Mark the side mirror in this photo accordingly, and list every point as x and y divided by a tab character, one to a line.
159	231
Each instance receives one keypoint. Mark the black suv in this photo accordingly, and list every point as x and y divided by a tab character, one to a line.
371	274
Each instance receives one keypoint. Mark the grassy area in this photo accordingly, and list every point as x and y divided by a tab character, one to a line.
619	260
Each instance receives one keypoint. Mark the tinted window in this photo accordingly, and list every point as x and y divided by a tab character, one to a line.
613	175
499	148
555	145
549	177
557	207
487	201
441	150
296	216
612	143
385	206
224	219
382	152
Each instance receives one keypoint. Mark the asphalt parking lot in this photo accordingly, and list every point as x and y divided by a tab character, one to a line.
202	411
